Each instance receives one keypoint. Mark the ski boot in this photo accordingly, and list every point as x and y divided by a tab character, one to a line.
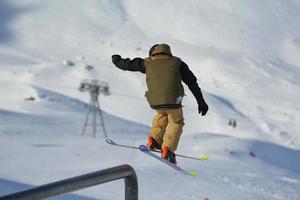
152	144
168	155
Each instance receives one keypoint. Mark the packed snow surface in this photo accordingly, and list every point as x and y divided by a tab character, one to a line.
245	55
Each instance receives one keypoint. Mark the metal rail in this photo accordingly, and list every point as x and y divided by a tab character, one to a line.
81	182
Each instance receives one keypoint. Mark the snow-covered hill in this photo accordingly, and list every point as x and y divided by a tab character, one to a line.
244	54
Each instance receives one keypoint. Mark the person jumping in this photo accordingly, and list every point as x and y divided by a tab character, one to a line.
164	76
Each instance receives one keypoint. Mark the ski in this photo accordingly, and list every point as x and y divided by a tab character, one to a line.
111	142
147	151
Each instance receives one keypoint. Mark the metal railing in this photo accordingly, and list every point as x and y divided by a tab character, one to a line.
81	182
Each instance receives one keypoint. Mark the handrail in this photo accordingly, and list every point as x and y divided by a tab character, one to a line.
80	182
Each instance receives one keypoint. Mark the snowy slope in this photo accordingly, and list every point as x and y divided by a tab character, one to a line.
244	54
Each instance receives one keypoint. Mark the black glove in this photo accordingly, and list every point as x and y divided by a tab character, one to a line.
202	108
115	58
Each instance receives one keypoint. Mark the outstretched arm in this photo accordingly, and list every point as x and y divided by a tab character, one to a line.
191	81
136	64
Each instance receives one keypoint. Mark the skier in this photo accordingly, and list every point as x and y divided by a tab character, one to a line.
164	73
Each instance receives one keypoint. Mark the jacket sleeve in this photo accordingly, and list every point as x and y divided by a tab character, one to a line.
136	64
191	81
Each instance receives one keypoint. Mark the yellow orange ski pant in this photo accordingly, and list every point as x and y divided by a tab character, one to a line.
167	127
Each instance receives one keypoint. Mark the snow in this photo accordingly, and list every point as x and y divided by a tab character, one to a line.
244	54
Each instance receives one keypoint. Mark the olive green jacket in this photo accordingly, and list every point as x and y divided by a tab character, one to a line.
163	81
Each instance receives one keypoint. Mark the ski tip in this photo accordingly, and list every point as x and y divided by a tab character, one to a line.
143	148
109	141
193	174
204	157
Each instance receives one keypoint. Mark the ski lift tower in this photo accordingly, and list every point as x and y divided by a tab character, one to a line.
95	88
